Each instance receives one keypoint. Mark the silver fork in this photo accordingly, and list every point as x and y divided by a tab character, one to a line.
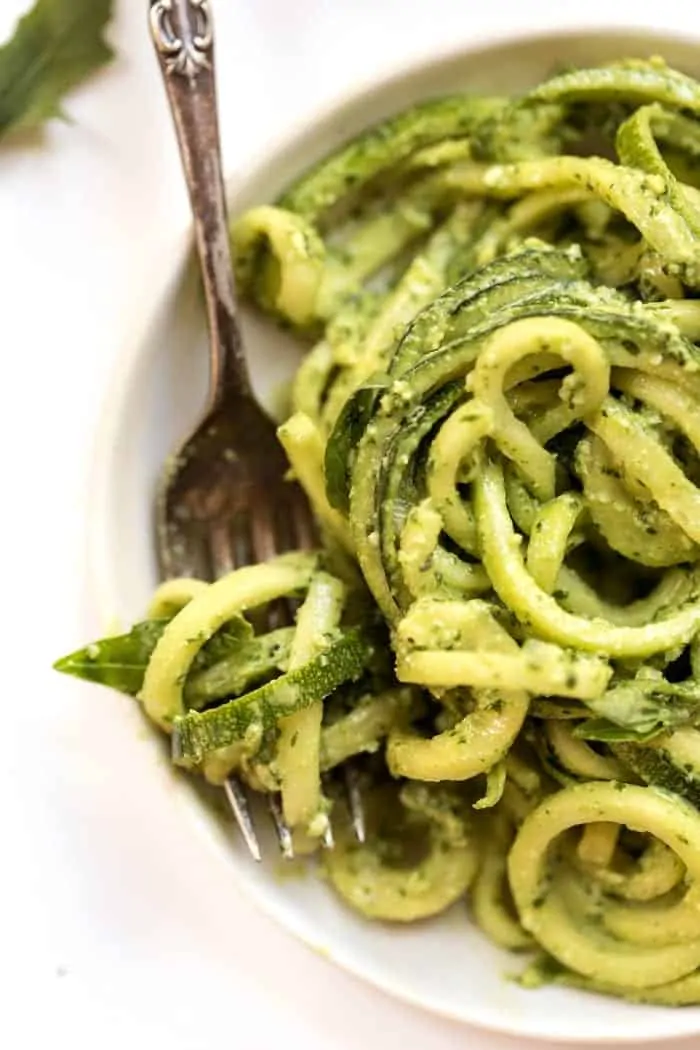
223	500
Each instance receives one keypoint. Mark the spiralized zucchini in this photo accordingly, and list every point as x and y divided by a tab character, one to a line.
498	427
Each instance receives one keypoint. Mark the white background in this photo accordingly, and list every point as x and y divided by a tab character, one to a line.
93	951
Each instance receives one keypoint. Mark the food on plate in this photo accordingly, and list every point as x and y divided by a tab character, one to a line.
498	426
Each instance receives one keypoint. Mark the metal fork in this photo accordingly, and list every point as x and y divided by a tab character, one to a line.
223	500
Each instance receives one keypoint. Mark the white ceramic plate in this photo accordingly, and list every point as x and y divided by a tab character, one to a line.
446	965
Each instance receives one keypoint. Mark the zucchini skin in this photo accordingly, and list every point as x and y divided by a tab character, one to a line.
254	714
383	148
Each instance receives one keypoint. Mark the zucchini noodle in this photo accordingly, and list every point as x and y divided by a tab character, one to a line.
497	424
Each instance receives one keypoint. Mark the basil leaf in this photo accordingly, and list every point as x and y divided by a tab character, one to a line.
54	48
641	708
604	731
120	662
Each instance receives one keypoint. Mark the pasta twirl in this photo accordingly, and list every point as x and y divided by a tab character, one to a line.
497	424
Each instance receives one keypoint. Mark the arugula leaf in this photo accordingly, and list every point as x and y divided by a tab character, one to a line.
120	662
55	46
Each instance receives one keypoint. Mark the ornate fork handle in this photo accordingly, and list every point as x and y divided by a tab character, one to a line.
182	33
183	36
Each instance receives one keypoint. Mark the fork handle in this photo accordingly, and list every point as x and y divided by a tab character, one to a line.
183	36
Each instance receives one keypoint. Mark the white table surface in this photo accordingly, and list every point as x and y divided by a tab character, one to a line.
92	953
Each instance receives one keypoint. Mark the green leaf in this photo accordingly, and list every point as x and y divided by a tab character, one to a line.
604	731
639	709
120	662
53	49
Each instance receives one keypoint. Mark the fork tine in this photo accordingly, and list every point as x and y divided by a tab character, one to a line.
266	544
327	839
301	516
235	793
262	528
220	550
262	542
284	835
354	794
178	552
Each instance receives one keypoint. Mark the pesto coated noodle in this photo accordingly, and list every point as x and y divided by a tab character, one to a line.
497	423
